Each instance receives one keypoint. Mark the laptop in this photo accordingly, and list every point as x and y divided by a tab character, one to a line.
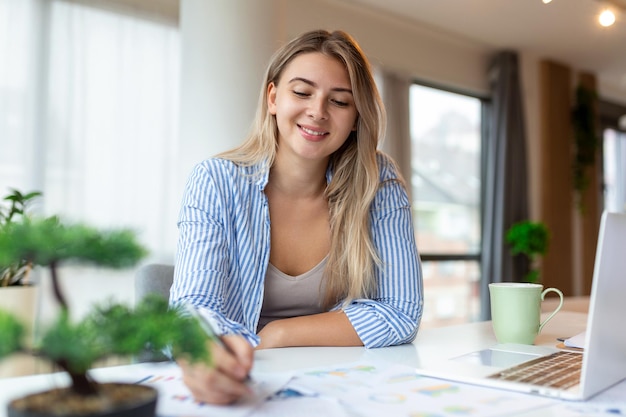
577	375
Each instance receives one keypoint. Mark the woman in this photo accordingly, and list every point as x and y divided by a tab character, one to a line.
302	235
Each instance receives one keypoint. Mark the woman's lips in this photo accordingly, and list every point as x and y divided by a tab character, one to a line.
312	134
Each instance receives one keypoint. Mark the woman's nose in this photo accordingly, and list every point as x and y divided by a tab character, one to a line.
318	109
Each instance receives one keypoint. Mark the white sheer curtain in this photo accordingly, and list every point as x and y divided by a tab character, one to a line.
112	121
89	116
18	92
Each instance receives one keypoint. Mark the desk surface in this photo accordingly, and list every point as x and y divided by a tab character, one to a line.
579	304
430	344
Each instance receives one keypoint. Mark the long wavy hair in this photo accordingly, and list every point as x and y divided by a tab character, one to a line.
350	270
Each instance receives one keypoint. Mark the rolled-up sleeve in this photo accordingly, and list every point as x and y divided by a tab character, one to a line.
393	314
204	275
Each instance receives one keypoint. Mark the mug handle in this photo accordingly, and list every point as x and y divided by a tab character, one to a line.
556	310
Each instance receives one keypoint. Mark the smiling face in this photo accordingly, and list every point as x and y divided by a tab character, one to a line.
314	106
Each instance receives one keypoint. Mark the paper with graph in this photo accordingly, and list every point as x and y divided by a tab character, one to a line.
362	389
382	389
175	399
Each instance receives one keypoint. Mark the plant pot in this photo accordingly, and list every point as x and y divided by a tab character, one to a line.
112	400
22	302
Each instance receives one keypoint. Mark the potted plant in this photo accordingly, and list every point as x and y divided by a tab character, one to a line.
15	273
17	292
530	239
110	329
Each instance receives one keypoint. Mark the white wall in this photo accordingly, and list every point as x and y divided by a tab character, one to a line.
225	48
613	93
396	44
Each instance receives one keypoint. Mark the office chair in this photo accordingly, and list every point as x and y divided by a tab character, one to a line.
149	279
153	278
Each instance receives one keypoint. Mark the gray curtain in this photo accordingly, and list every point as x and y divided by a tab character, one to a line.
504	175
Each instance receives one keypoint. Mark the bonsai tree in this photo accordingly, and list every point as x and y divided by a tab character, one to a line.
17	272
111	328
530	239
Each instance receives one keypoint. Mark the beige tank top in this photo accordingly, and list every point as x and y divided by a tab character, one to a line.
287	296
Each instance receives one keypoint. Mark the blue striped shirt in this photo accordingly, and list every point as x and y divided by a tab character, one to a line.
224	247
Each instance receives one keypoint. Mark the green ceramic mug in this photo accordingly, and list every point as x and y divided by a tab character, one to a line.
516	309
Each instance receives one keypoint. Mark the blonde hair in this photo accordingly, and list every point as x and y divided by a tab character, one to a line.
350	270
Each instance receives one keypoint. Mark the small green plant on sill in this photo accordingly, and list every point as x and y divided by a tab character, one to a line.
532	240
16	273
110	329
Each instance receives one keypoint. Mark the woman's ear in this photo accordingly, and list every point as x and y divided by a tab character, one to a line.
271	98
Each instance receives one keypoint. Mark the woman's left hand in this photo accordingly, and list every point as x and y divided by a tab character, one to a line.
271	335
331	328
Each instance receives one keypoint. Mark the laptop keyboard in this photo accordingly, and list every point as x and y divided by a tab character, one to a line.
558	370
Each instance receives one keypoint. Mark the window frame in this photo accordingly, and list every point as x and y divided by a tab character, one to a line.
609	114
485	105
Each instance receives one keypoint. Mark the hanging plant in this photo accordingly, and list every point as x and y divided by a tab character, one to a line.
586	140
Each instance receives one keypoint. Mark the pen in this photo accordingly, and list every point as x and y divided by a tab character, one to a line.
206	326
209	330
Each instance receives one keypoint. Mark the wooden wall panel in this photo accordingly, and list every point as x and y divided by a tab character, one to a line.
556	174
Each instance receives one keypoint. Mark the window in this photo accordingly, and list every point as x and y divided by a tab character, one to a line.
613	123
89	116
445	186
614	155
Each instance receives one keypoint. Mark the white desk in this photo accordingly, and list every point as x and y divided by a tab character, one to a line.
579	304
431	344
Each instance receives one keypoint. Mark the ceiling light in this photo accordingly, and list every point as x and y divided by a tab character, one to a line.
546	1
611	11
606	18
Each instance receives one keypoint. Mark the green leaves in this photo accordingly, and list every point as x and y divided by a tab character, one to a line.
18	204
529	238
586	140
11	334
71	345
47	241
111	329
16	272
125	332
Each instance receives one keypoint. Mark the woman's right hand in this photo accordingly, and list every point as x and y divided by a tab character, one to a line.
224	381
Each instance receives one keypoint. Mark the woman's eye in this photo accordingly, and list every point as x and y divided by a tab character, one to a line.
300	93
340	103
